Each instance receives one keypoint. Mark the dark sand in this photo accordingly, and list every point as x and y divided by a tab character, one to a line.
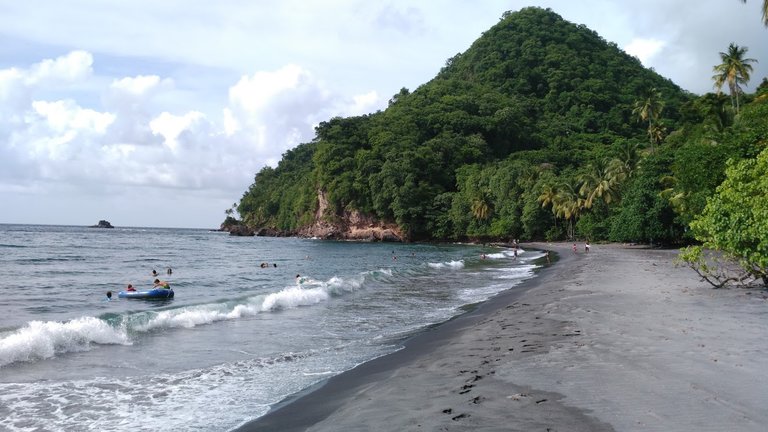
616	339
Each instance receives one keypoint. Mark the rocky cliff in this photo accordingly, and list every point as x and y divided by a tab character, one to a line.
350	225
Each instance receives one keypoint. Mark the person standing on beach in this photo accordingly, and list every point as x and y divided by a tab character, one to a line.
586	246
574	248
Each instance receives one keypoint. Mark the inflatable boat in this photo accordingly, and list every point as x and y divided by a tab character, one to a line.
157	293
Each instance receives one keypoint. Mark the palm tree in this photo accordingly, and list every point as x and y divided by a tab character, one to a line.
568	203
627	161
649	109
765	11
601	181
657	133
734	70
481	209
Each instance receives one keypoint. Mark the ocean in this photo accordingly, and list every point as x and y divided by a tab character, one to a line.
237	337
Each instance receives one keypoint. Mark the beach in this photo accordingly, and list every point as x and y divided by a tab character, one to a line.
619	338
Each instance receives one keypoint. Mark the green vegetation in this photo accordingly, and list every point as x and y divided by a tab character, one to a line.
540	130
734	70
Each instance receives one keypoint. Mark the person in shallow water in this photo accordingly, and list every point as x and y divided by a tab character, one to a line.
162	284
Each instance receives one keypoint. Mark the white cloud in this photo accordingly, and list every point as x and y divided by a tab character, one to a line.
69	68
170	126
644	49
65	115
138	85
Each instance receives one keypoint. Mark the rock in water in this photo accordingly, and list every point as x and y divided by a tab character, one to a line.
102	224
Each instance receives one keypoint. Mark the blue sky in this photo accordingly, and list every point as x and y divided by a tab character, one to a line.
159	113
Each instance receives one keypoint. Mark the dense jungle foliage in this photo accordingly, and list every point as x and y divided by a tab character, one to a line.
540	130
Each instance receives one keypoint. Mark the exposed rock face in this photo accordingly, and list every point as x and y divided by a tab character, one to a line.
351	225
102	224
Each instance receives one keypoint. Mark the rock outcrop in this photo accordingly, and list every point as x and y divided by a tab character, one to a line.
350	225
102	224
241	230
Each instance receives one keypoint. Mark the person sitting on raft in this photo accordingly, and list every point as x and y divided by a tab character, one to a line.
161	284
130	288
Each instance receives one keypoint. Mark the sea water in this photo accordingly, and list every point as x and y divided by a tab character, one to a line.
236	338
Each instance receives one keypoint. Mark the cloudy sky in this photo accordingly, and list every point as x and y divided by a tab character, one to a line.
159	113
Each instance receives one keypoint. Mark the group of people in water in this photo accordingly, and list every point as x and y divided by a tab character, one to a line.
157	283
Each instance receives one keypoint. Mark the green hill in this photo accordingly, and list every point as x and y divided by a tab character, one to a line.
530	133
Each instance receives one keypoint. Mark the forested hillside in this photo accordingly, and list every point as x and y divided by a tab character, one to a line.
540	130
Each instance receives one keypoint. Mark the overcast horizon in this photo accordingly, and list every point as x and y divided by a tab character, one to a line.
159	114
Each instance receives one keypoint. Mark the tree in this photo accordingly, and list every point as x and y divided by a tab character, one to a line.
601	181
735	219
649	109
568	203
734	70
481	209
765	11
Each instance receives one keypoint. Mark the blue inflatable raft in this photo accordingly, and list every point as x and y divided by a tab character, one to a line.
157	293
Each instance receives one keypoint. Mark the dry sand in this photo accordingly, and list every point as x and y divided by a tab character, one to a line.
614	339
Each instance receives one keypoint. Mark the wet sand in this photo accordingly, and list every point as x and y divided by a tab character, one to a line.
614	339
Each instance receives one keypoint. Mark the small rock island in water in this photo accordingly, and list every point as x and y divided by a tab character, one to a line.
102	224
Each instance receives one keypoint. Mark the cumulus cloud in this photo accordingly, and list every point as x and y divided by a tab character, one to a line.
129	141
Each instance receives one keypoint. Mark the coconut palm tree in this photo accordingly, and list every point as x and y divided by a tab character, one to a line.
648	108
657	133
481	210
734	70
568	203
765	11
627	160
601	181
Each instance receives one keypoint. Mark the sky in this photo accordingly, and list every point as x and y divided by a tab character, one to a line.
159	113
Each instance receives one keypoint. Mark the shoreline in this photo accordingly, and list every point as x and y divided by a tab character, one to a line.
614	339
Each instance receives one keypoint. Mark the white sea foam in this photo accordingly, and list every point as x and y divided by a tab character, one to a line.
497	255
519	272
450	265
40	340
294	296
